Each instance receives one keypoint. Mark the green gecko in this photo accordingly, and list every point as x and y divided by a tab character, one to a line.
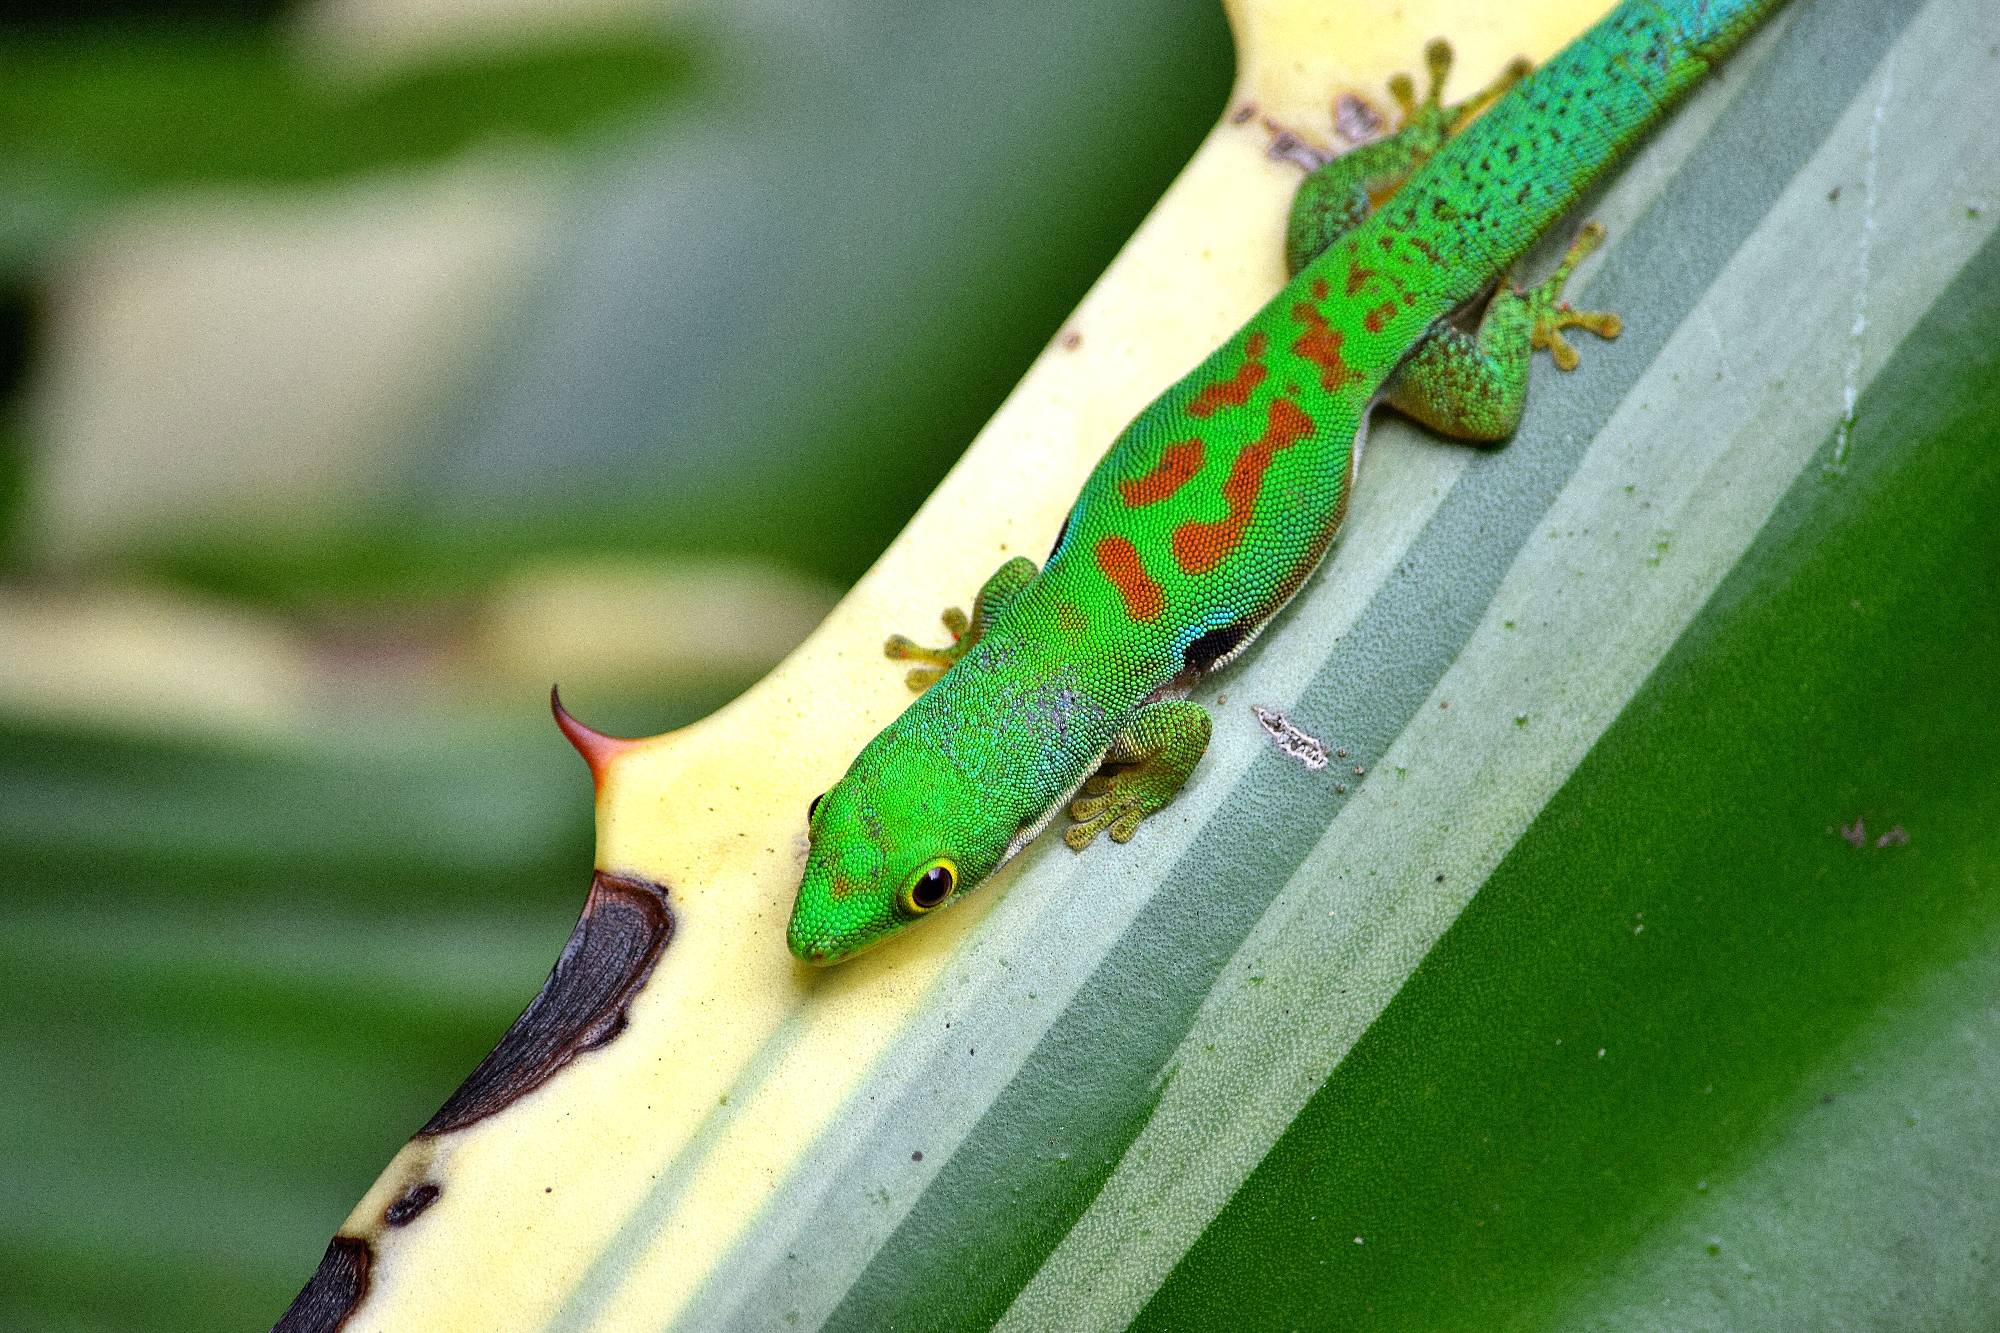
1211	509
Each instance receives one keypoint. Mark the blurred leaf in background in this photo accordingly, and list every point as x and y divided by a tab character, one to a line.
368	364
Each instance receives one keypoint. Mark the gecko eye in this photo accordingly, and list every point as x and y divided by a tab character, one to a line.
813	809
932	886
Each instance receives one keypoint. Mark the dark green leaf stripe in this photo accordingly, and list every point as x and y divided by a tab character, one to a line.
1495	1163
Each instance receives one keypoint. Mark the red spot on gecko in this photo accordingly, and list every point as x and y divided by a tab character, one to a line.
1200	547
1319	289
1236	390
1177	464
1320	344
1119	560
1380	315
1357	278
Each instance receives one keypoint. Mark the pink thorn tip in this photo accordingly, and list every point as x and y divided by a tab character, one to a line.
597	749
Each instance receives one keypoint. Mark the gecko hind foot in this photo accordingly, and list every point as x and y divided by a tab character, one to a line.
1552	314
937	661
1149	762
1429	116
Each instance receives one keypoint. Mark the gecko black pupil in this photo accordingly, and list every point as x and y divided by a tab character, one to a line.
933	888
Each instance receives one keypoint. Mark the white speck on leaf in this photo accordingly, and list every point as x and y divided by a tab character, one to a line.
1307	749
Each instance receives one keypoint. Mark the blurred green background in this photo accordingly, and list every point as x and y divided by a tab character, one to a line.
364	366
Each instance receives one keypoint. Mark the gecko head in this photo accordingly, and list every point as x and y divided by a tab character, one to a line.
895	840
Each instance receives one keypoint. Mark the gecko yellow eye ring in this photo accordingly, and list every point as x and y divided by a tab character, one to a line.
1212	508
930	888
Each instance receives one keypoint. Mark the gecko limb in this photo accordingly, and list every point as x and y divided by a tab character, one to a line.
1152	757
1339	193
1552	313
1473	386
994	595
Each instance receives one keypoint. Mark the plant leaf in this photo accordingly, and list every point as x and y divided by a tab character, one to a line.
1666	811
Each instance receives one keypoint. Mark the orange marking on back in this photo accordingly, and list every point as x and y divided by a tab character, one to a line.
1319	289
1380	315
1320	344
1200	547
1119	560
1178	462
1357	278
1236	390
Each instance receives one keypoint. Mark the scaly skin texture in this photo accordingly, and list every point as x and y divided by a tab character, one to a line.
1210	509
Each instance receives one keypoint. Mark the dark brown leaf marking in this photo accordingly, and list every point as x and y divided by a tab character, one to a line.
334	1289
410	1203
624	927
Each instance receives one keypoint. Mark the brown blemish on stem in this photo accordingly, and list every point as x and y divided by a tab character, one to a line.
624	927
410	1203
334	1289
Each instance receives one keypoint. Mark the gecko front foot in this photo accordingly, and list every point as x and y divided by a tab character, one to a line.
994	595
937	660
1552	314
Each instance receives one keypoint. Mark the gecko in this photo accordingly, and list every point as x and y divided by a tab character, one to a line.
1067	687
